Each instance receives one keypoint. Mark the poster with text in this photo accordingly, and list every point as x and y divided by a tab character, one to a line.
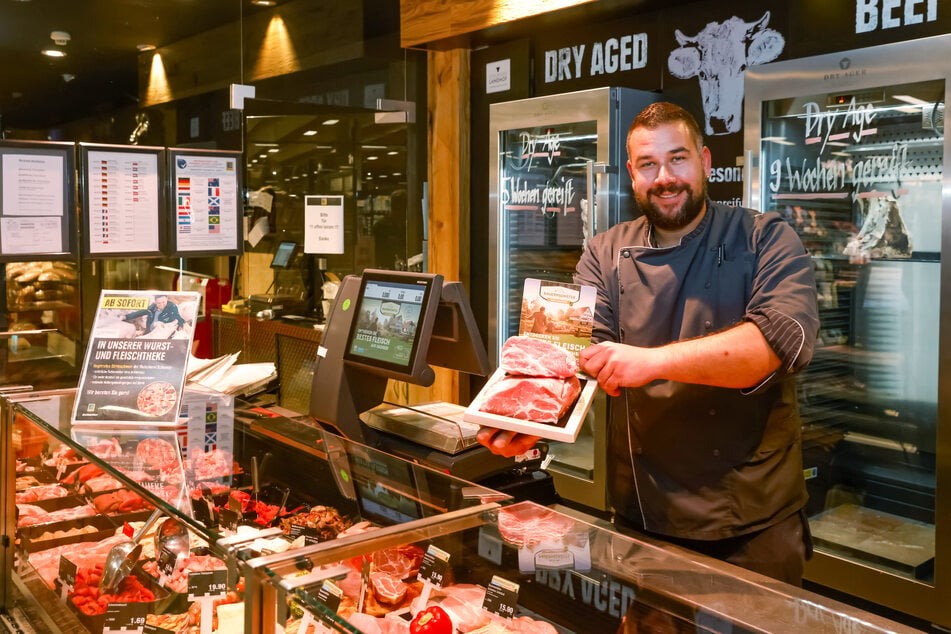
206	199
36	200
134	368
323	224
123	201
558	312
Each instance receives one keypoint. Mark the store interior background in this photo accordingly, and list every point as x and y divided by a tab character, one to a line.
345	103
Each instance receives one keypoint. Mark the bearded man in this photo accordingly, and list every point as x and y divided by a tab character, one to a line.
705	313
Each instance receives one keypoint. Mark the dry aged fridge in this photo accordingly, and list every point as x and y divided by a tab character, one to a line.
557	175
850	148
528	568
227	483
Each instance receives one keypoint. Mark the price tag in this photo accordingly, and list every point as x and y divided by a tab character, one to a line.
501	597
329	596
167	563
234	504
309	532
203	509
125	617
207	583
66	576
435	566
229	519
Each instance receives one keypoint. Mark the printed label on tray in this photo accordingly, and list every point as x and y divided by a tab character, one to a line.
329	595
207	583
155	629
434	566
66	576
309	532
125	617
167	562
229	519
501	597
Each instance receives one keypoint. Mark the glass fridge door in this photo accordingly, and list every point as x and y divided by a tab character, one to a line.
859	176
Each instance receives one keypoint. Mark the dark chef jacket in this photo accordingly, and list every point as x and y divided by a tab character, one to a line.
698	461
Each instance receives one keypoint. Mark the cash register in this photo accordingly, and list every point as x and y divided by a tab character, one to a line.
394	325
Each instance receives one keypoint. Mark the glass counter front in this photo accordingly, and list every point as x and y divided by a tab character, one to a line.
529	568
227	483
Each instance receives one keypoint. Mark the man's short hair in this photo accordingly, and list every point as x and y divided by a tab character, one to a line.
662	113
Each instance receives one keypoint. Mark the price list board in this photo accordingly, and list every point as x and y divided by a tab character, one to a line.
37	200
122	200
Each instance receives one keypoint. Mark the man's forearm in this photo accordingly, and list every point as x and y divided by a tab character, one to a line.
739	357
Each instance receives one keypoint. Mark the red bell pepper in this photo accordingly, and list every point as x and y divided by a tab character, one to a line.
432	620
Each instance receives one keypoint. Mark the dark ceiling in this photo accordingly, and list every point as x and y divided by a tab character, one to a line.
99	72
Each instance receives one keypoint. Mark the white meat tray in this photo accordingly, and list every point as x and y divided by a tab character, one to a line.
565	430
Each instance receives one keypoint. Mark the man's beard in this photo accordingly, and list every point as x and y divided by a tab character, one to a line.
683	216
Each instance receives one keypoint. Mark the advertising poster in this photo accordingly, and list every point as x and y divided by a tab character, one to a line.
558	312
135	362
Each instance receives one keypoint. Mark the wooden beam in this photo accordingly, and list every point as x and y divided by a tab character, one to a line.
427	21
448	212
296	36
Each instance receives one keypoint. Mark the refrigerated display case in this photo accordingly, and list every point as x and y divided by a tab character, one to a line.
529	568
850	149
557	176
233	487
41	324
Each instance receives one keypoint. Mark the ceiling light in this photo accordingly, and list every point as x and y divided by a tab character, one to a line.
274	150
264	3
60	38
392	153
331	121
372	158
310	132
54	52
143	48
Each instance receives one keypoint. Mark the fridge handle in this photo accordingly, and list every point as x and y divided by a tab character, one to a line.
596	214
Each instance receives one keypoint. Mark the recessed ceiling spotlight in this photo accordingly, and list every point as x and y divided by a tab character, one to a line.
143	48
53	52
264	3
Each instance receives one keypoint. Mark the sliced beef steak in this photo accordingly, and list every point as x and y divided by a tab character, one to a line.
528	356
543	400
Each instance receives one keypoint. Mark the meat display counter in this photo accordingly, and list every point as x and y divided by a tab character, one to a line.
527	568
222	487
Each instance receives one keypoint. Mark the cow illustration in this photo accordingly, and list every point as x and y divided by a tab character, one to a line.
719	55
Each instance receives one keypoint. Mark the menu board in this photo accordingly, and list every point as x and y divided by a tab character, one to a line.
206	213
135	362
123	197
36	200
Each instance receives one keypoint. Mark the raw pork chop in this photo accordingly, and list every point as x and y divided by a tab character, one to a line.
527	356
543	400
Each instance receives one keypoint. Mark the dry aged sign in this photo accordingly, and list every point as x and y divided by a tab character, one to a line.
135	362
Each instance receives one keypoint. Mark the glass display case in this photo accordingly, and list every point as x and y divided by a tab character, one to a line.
227	480
528	568
850	149
42	323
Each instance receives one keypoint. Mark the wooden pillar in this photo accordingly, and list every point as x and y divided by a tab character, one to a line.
448	212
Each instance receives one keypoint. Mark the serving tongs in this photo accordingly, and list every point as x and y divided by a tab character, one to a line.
122	557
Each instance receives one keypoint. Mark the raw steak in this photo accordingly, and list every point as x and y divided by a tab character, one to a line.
542	400
388	588
399	561
527	356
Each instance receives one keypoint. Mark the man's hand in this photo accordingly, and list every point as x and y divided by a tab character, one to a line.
617	365
506	443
